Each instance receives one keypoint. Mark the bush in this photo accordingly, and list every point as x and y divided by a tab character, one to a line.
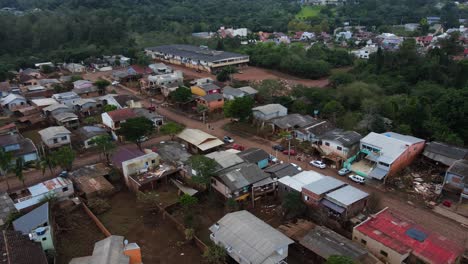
215	254
99	206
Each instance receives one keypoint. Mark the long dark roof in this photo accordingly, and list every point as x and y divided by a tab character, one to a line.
19	249
460	167
253	155
346	138
196	53
444	153
282	170
242	175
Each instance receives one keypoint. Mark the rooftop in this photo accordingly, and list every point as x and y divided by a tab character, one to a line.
245	233
107	251
56	106
270	108
242	175
122	114
124	153
392	144
87	132
225	159
19	249
301	179
403	236
209	87
196	53
282	170
444	153
460	167
44	101
212	97
6	207
172	151
346	138
324	185
253	155
248	90
64	117
228	90
30	221
200	139
293	121
319	128
346	195
53	131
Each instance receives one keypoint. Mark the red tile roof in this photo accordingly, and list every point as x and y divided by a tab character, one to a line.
122	114
141	70
391	230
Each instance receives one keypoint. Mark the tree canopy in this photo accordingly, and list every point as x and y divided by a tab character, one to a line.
135	129
171	129
240	107
204	168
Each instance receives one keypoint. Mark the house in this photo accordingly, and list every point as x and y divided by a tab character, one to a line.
126	100
343	144
56	109
385	154
314	131
456	179
225	159
344	35
279	171
60	188
74	67
114	119
68	120
158	120
204	89
112	250
212	102
155	82
314	192
230	93
91	180
42	103
433	20
243	181
160	68
394	240
7	207
295	183
86	135
324	243
67	98
173	152
19	147
87	92
365	52
48	83
255	156
19	249
37	225
200	58
55	136
444	153
138	70
267	112
146	171
247	239
345	202
5	89
424	40
9	129
13	101
198	141
37	91
201	81
86	107
291	122
118	60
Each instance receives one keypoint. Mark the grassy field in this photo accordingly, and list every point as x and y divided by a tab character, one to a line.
308	12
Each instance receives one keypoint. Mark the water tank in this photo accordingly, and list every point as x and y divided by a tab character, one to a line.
40	231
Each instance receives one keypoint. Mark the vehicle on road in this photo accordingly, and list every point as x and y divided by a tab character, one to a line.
278	147
290	152
114	83
318	164
151	108
273	159
343	171
357	178
228	139
297	166
238	147
142	139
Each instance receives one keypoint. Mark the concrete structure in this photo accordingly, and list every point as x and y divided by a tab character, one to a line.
37	225
456	179
343	144
248	239
60	188
394	240
112	250
314	192
55	136
198	141
200	58
160	68
345	202
143	163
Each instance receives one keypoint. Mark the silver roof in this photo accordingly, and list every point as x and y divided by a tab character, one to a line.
30	221
324	185
106	251
225	159
270	108
392	145
346	196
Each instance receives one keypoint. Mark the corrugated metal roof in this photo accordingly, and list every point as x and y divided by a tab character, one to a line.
200	139
225	159
270	108
301	179
346	196
391	146
52	131
324	185
30	221
196	53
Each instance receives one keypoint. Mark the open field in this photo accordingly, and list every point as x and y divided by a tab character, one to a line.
251	73
308	12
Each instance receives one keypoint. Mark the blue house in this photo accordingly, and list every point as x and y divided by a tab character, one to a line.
255	156
19	147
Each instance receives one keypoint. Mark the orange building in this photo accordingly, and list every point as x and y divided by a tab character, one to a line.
214	102
204	89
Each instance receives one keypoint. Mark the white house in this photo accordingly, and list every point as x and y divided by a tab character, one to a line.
139	165
60	188
67	98
55	136
365	52
269	111
75	67
12	101
113	119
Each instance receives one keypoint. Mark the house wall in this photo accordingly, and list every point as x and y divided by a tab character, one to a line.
213	105
356	207
375	248
61	139
335	147
15	103
405	159
107	121
311	198
220	187
134	166
283	190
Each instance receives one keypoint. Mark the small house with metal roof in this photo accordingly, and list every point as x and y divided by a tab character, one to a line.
37	225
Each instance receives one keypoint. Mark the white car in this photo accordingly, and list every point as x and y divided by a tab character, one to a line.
343	171
318	164
114	83
357	178
297	166
228	139
273	159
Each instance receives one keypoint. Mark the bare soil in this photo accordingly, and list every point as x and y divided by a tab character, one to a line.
157	238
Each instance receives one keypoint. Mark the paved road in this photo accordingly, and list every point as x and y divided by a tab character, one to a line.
419	215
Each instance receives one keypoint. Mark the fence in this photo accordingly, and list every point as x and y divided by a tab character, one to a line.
96	220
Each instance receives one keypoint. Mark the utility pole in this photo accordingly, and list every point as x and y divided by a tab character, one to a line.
289	147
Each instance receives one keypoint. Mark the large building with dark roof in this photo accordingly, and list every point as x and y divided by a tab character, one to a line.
200	58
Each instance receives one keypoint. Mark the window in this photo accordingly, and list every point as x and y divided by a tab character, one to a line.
55	140
383	253
306	197
363	241
153	161
339	148
64	138
327	144
44	238
64	189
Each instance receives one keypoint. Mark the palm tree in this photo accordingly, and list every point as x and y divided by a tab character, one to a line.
19	170
5	164
105	145
46	162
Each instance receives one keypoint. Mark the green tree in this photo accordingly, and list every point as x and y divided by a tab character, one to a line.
47	69
19	167
203	167
171	128
225	74
293	205
337	259
5	164
332	110
64	157
102	84
181	95
90	120
187	201
215	254
105	145
108	108
134	129
240	108
341	78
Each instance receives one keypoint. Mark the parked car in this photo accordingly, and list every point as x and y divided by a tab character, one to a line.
278	147
357	178
318	164
238	147
142	139
273	159
228	140
290	152
343	171
151	108
297	166
114	83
